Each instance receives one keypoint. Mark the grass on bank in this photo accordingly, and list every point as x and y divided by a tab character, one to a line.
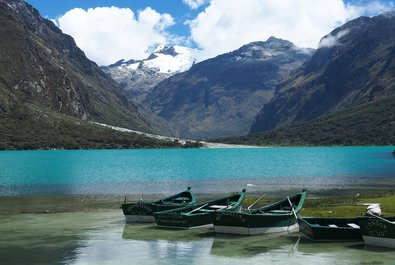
337	206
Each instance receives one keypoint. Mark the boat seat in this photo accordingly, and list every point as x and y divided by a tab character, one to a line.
180	199
353	225
218	207
279	211
333	226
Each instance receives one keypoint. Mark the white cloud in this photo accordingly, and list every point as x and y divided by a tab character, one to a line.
226	25
332	40
194	4
107	34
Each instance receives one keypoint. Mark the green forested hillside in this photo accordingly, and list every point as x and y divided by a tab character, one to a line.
371	124
32	127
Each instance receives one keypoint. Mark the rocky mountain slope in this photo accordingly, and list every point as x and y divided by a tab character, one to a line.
49	89
221	96
138	77
41	65
354	66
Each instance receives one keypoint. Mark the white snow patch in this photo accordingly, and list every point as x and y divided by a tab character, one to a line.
133	66
166	63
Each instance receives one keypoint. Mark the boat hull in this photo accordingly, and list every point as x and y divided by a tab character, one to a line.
331	229
247	231
379	241
198	215
139	218
379	232
280	216
246	224
143	212
184	221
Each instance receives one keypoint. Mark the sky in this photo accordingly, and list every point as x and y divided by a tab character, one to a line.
110	30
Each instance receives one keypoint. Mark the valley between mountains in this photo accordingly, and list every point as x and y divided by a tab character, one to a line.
268	92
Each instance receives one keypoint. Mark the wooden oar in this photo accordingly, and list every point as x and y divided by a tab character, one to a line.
197	209
378	217
292	208
248	208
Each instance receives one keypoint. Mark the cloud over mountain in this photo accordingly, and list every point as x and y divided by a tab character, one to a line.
107	34
227	24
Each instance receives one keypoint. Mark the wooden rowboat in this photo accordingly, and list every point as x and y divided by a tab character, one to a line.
280	216
198	215
331	229
143	211
378	231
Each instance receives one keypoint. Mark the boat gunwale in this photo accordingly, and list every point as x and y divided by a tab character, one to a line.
179	211
166	201
297	209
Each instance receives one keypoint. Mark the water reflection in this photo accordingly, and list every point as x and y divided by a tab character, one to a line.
102	238
249	246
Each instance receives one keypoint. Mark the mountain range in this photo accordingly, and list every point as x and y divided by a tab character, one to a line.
353	66
341	93
46	79
221	96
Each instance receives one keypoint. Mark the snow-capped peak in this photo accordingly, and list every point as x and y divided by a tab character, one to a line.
139	76
173	59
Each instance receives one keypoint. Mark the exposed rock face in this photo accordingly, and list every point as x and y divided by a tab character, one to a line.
221	96
354	65
41	65
138	77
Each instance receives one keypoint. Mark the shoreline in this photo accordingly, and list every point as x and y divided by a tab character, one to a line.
58	203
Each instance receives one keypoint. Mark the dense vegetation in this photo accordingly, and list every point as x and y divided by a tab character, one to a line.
31	127
371	124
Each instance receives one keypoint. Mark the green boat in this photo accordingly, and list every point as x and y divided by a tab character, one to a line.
199	215
142	211
378	231
331	229
277	217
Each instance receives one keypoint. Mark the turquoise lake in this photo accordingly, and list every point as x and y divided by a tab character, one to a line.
206	170
50	214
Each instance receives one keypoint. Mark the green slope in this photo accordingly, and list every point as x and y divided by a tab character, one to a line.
32	127
371	124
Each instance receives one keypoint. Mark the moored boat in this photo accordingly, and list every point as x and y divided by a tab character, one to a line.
379	231
199	215
142	211
280	216
331	229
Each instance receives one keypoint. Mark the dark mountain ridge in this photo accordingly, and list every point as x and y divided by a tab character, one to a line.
354	65
41	65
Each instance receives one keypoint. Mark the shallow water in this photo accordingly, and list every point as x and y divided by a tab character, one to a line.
103	238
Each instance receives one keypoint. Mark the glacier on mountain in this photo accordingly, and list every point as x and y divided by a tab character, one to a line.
138	77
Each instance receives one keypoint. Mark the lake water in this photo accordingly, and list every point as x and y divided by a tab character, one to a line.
206	170
62	207
102	238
